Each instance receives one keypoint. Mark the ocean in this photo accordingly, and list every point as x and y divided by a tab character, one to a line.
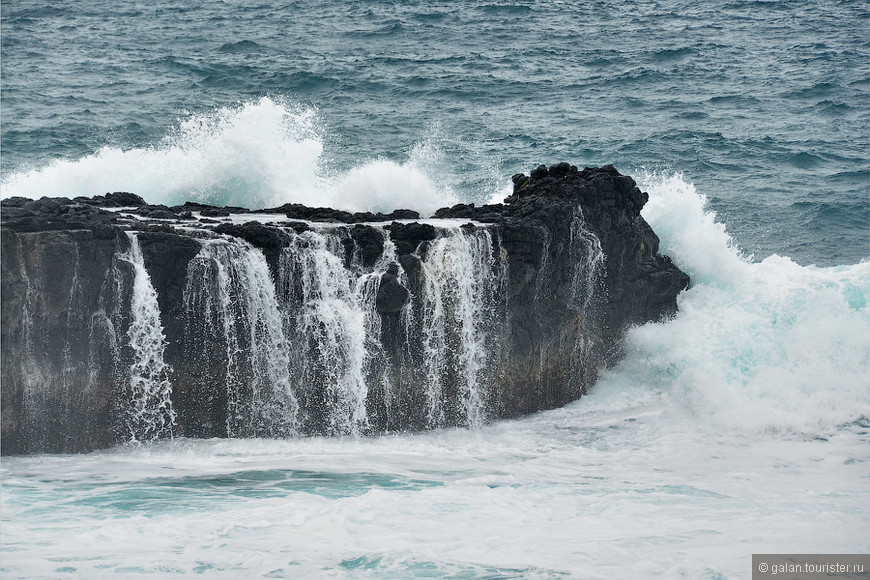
740	426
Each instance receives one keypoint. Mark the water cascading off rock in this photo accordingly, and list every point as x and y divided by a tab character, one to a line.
119	328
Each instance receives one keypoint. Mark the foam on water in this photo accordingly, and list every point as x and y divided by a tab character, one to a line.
258	154
738	427
766	346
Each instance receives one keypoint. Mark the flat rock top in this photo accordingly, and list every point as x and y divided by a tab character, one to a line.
602	188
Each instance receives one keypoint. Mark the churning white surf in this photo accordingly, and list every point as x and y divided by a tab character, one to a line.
258	154
738	427
757	346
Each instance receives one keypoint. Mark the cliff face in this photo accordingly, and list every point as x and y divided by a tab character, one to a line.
149	322
583	267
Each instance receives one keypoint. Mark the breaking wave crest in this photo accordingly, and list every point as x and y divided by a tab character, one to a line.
757	347
259	154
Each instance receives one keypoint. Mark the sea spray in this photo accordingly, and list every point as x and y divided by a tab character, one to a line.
689	233
234	156
149	414
767	347
261	153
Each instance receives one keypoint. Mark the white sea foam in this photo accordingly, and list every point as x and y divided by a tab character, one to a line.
259	154
757	347
734	429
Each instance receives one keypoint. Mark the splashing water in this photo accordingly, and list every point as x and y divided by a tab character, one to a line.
758	347
229	287
260	154
150	414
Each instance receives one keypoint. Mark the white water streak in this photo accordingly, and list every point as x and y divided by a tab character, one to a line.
150	414
243	305
460	274
588	258
336	314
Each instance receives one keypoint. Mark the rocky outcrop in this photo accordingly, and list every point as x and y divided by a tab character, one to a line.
584	266
115	320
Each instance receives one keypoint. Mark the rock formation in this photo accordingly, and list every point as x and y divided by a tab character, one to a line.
124	321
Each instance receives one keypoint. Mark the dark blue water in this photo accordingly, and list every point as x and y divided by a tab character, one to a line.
764	106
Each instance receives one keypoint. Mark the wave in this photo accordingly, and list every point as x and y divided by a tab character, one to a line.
259	154
240	47
767	347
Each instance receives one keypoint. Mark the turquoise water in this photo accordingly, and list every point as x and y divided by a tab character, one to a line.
739	427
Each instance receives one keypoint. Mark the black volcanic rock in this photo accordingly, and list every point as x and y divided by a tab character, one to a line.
215	212
408	236
63	297
401	214
609	204
117	199
125	199
45	214
257	234
368	243
484	213
271	240
162	212
548	208
391	296
298	211
569	265
210	210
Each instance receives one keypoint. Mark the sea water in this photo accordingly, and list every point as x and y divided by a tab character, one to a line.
741	426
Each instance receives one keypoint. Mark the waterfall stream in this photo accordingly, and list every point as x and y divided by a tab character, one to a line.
330	311
299	338
229	287
303	345
461	283
150	414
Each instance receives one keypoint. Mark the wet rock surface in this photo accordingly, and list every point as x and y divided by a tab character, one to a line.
559	272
